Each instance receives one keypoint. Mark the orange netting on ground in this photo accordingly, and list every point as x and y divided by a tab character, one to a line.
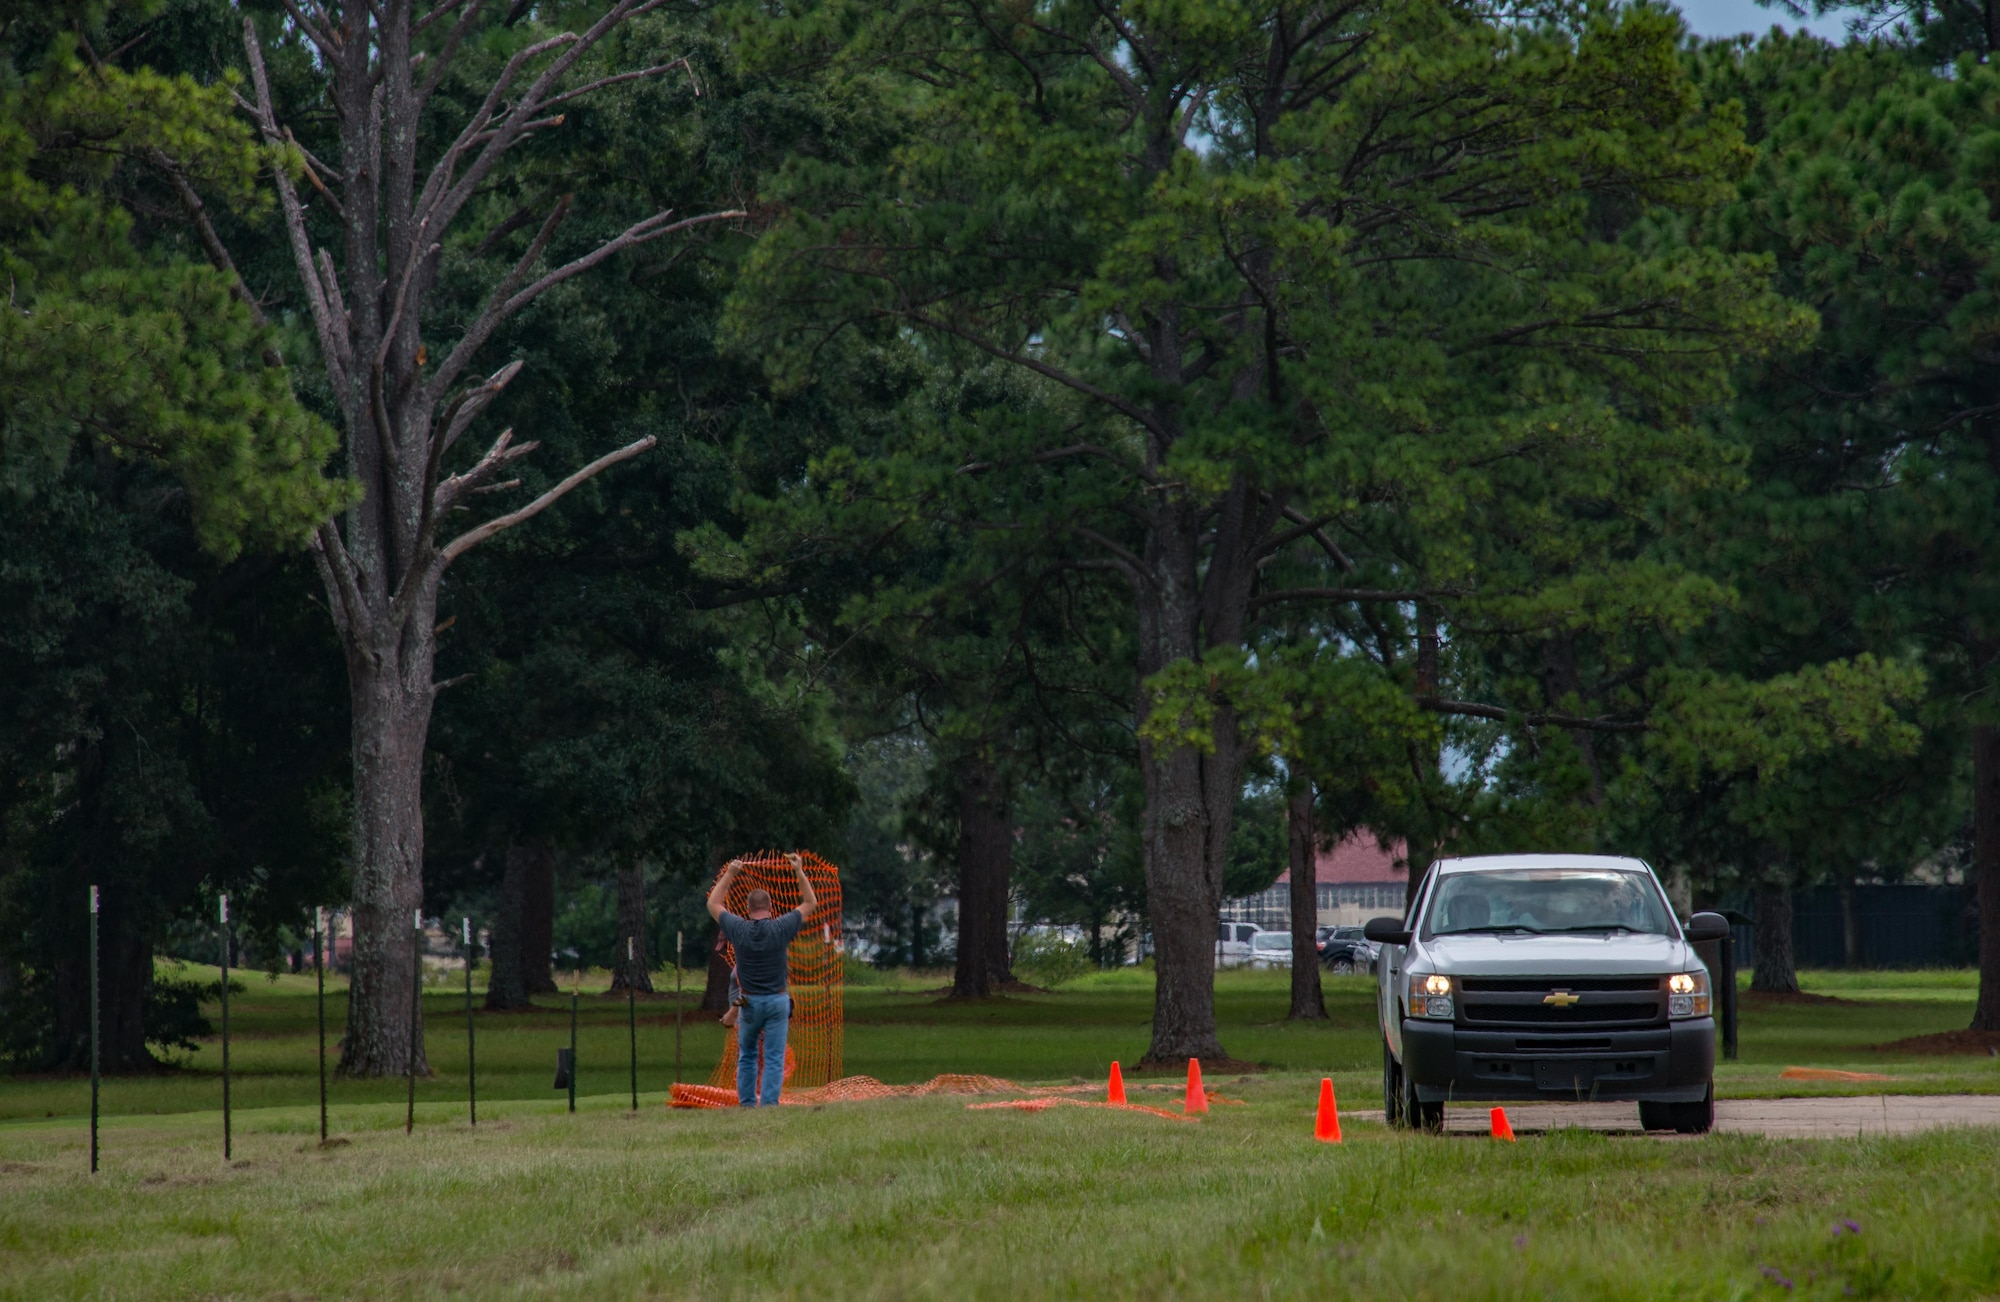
864	1089
848	1089
813	1041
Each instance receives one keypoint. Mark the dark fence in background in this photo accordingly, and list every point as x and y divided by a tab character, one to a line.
1893	927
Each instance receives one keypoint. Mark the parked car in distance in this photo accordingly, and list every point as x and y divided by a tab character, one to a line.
1271	949
1546	976
1232	943
1343	950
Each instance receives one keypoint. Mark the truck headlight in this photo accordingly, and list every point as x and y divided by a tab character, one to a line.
1687	994
1430	995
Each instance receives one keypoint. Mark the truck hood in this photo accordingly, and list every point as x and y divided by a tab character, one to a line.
1577	954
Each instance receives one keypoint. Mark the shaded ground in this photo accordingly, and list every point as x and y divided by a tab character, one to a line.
1781	998
1947	1042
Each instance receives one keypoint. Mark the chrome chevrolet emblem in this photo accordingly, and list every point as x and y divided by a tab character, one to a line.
1561	999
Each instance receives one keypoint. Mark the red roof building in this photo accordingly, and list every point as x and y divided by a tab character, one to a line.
1354	880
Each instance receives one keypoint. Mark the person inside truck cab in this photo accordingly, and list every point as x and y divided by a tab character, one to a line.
1468	912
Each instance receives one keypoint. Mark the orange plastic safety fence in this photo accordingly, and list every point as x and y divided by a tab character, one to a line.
818	979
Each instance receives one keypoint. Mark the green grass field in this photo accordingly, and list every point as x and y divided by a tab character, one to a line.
922	1198
898	1030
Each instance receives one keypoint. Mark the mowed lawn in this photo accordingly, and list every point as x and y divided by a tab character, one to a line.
899	1030
924	1198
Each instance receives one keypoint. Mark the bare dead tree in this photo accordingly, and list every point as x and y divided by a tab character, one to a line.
402	412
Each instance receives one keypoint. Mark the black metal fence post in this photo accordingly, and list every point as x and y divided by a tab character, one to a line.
471	1065
94	1031
319	977
677	1008
632	1017
575	992
224	914
416	1011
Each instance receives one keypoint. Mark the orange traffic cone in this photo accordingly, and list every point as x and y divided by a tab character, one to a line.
1501	1130
1116	1094
1197	1097
1326	1126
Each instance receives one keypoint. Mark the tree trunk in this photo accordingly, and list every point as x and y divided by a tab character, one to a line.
1776	971
538	924
1421	850
1307	999
403	403
1420	858
1986	870
524	928
1562	689
1190	793
631	969
1850	925
391	694
985	867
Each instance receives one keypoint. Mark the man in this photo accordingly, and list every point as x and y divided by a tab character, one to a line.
761	942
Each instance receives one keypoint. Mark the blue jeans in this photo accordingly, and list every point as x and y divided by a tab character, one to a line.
765	1018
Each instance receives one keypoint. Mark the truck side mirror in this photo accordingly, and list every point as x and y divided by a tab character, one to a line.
1387	931
1705	927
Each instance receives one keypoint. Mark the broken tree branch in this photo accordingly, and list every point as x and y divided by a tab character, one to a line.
466	541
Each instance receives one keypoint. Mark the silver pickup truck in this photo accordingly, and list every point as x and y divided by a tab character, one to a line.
1551	977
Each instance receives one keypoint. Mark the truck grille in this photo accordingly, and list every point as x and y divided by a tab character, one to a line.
1542	985
1577	1015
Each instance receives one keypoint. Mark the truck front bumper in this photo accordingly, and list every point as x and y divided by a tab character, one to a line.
1673	1063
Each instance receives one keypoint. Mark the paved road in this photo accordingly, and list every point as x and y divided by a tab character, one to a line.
1817	1118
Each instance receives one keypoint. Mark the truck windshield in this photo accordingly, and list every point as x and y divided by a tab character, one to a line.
1542	900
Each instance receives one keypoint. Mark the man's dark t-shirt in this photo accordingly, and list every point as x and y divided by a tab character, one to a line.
760	949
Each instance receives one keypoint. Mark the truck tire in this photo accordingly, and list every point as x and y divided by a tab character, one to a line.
1419	1115
1683	1118
1695	1118
1392	1087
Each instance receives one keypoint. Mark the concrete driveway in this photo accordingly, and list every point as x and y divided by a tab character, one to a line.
1812	1118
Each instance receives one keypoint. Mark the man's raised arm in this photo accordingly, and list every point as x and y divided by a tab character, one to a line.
808	901
721	891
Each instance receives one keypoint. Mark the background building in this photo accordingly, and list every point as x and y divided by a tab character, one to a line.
1354	881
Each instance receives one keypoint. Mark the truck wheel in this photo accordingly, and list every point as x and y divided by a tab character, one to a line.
1695	1118
1392	1087
1419	1115
1683	1118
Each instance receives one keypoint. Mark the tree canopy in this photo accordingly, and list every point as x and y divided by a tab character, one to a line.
1039	454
